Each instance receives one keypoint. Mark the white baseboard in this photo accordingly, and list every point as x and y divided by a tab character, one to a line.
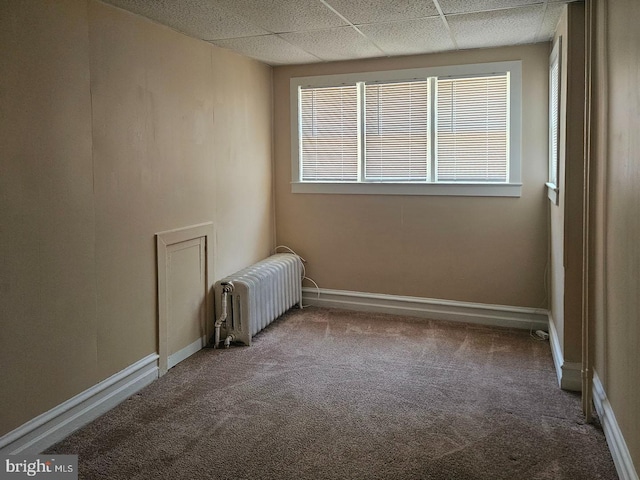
569	373
478	313
556	350
618	447
49	428
186	352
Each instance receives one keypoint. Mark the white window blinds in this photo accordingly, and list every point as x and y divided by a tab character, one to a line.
554	119
329	133
472	129
397	131
400	131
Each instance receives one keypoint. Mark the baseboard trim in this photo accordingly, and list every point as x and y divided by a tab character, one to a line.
45	430
569	373
556	351
478	313
186	352
617	446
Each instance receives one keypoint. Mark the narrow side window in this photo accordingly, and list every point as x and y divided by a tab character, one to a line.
554	120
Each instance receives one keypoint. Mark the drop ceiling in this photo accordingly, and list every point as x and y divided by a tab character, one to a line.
284	32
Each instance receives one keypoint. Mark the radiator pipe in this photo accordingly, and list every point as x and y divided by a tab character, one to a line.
227	288
227	341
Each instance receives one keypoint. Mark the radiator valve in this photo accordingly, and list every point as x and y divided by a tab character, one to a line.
226	290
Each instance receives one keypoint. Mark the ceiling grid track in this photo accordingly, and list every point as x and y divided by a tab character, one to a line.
446	24
544	14
353	26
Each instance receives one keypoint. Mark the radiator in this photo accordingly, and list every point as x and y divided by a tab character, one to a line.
257	295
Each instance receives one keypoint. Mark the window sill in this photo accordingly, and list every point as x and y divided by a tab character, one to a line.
441	189
553	192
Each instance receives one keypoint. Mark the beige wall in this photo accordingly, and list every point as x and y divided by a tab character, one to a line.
487	250
113	128
48	344
618	214
566	216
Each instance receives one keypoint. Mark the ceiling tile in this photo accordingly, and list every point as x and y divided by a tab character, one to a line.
341	43
269	49
198	18
410	37
309	31
475	6
550	22
501	27
372	11
281	16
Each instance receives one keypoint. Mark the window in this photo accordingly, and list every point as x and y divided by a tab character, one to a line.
438	131
554	121
329	126
472	130
396	132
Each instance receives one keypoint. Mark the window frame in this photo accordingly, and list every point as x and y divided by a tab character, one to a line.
511	188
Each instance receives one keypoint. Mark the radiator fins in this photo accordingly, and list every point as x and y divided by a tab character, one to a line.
261	293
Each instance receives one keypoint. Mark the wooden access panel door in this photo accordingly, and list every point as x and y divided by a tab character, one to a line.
186	290
183	304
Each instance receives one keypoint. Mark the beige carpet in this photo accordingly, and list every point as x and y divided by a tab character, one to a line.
329	394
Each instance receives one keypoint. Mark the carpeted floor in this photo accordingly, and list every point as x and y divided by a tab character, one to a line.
329	394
